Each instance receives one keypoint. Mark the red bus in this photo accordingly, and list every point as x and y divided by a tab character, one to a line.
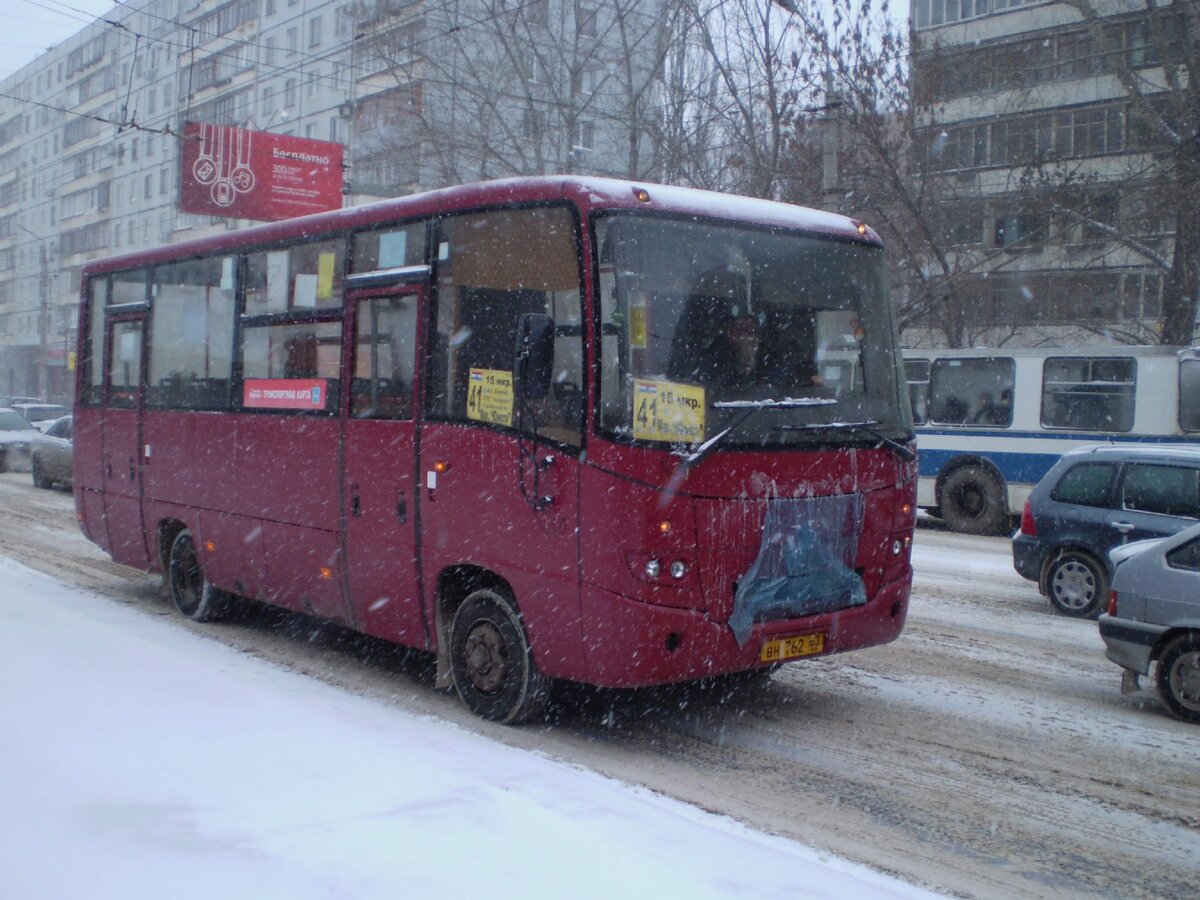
547	429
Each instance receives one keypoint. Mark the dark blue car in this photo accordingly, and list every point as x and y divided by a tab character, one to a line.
1093	500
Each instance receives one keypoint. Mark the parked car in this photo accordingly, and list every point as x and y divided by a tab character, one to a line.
1093	500
16	436
52	455
41	415
9	401
1154	615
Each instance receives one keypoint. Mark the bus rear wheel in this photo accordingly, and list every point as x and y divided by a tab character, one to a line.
491	660
193	594
972	501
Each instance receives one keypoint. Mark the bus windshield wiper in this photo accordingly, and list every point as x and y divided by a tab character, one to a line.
749	407
871	427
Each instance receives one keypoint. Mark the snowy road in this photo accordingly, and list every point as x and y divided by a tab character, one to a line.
986	753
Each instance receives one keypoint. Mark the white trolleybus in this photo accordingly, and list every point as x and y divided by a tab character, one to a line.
990	423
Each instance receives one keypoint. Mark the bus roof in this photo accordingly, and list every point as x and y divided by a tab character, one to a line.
589	192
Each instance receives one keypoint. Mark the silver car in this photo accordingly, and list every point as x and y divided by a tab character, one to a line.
52	455
41	415
1154	614
16	436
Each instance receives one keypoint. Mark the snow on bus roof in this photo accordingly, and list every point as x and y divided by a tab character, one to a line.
600	192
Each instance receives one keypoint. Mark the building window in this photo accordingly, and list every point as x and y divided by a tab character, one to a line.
314	31
585	21
293	41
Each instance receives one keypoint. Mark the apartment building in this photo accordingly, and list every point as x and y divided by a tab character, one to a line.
1049	170
421	94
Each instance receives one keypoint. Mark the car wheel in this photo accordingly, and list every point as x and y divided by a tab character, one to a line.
39	478
972	501
1179	677
193	594
491	661
1076	584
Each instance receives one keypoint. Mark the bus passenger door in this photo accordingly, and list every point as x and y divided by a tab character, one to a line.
380	456
120	440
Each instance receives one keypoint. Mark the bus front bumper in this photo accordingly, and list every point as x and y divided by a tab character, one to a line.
634	644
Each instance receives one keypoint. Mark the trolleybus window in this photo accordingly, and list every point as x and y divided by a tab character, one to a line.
700	320
972	391
1189	394
1090	394
191	344
492	268
916	371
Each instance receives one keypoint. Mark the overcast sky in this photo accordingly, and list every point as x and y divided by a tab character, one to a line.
30	26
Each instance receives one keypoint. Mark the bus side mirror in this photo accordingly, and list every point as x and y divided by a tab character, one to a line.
534	362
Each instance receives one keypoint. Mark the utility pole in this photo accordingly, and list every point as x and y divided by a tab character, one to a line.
832	191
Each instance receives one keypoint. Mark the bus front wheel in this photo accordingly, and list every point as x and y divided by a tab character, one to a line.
491	661
972	501
193	594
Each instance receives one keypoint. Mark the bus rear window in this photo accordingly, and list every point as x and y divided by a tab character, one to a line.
1089	394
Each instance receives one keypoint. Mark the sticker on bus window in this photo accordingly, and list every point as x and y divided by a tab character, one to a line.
667	411
637	327
490	396
284	393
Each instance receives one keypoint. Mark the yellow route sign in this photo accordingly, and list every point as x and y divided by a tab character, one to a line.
490	396
667	411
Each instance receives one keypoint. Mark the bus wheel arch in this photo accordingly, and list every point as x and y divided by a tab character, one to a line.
193	594
972	496
483	648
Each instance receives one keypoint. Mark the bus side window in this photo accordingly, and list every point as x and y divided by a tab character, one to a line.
191	343
965	391
1088	394
384	355
916	372
492	268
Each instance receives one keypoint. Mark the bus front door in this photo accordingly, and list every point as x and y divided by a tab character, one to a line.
120	440
380	456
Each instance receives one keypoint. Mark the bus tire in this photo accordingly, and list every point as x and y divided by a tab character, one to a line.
1076	584
972	501
193	594
1179	677
491	660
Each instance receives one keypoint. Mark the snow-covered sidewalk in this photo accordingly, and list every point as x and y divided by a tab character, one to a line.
138	760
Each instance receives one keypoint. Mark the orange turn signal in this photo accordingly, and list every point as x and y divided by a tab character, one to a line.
441	466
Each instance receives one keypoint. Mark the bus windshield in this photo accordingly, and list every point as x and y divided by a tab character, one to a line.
703	322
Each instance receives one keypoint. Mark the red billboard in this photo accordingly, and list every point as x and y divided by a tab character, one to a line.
245	174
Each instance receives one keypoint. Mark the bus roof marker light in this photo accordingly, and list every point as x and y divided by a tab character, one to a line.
642	194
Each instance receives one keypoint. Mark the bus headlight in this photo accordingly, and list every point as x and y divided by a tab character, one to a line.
653	567
678	569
